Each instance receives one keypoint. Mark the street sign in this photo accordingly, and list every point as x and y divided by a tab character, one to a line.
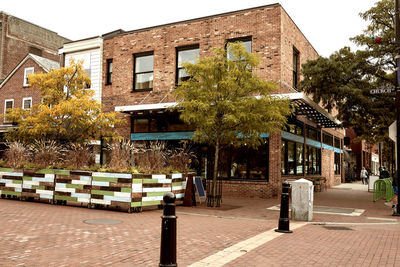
383	90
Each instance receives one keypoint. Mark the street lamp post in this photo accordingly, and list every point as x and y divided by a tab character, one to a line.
397	29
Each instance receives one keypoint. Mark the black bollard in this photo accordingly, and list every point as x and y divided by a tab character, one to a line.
283	226
168	232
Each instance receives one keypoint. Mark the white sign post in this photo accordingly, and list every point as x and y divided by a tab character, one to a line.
393	136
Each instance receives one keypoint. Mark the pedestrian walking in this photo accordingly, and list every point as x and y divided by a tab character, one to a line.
364	176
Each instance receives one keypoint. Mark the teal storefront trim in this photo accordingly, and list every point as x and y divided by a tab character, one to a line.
292	137
327	147
313	143
338	150
167	136
161	136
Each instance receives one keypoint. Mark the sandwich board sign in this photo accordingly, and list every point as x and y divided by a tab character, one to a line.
199	188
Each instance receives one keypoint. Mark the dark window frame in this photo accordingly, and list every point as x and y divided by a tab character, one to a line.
135	56
179	49
109	72
239	39
296	66
285	167
325	137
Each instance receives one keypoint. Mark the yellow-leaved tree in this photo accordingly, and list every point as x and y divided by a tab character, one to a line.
68	113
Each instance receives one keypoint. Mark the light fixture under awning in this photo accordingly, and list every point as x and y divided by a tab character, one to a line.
306	107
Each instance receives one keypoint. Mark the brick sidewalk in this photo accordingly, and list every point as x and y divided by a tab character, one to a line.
35	234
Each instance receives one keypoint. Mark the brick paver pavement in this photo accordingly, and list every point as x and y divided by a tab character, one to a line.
34	234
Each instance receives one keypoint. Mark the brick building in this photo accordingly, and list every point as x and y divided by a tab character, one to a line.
15	90
141	67
19	38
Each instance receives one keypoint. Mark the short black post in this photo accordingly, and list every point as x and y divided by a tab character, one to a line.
284	215
168	232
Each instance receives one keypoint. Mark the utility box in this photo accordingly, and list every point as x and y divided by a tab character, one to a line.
302	200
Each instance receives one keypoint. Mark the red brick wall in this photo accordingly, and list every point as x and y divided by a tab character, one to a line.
18	36
14	89
248	189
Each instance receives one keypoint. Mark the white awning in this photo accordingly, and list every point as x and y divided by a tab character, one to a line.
135	108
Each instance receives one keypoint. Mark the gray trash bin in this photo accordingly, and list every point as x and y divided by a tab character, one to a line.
302	200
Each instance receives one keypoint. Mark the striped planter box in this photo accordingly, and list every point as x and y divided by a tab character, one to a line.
179	185
38	184
72	186
123	190
10	182
111	189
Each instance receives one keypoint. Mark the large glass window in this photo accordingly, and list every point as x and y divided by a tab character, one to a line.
337	163
244	163
292	158
313	133
246	41
166	122
143	71
294	126
337	143
313	160
185	55
328	139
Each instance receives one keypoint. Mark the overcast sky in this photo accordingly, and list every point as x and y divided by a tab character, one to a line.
328	25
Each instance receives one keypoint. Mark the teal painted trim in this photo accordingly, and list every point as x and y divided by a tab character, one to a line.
169	136
327	146
313	143
293	137
161	136
338	150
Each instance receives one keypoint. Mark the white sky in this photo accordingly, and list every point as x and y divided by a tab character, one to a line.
328	25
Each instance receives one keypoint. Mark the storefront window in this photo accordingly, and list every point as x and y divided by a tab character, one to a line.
313	160
244	163
337	163
291	158
313	133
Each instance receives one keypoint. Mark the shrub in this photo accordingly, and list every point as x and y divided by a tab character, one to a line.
180	159
16	155
153	159
79	156
46	153
121	155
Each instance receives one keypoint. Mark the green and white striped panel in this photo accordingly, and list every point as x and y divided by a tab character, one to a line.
73	186
155	188
111	189
38	184
11	181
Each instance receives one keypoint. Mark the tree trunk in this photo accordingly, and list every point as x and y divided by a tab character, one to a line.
215	174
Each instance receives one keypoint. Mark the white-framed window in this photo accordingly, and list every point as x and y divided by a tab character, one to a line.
8	104
26	72
27	103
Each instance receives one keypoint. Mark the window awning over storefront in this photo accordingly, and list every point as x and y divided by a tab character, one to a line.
145	107
303	106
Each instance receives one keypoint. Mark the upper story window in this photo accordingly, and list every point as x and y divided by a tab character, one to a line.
327	139
296	63
27	71
27	103
313	133
85	58
8	104
143	71
185	55
109	71
246	41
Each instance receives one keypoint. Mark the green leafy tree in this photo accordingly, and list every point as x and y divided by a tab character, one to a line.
344	80
227	103
67	113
